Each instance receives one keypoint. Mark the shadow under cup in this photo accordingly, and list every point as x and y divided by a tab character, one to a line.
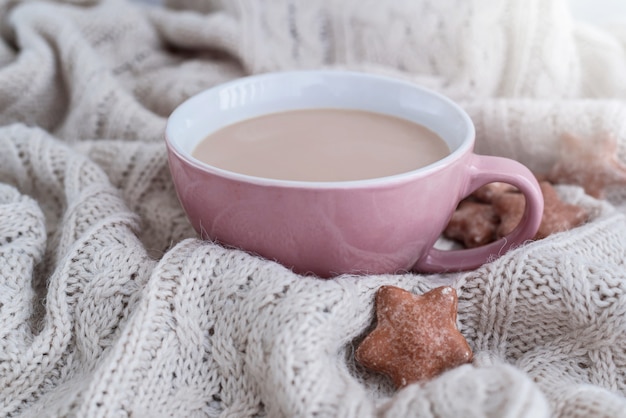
382	225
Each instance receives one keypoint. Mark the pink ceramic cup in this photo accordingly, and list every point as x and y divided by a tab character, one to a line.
383	225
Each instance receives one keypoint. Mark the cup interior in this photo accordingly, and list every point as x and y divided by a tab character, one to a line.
249	97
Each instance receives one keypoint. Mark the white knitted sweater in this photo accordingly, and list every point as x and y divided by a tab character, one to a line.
111	307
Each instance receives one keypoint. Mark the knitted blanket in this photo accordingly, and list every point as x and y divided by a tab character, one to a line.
110	305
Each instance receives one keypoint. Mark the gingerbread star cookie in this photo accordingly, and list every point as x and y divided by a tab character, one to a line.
473	223
558	215
493	211
488	192
592	164
416	337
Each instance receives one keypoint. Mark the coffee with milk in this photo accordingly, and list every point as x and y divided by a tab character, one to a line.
322	145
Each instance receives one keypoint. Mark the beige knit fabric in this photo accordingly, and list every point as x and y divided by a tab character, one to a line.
111	307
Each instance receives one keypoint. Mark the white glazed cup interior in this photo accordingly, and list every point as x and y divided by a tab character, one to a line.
253	96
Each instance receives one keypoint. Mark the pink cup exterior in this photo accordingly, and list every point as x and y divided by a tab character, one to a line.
378	229
360	227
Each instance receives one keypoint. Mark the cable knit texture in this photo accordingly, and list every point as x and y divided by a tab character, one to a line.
109	304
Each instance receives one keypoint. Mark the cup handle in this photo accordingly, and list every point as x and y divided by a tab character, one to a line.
483	170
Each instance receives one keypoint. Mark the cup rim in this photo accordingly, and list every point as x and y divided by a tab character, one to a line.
466	145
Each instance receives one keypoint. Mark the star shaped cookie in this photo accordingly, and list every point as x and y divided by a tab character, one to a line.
473	223
592	164
416	337
493	211
558	215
